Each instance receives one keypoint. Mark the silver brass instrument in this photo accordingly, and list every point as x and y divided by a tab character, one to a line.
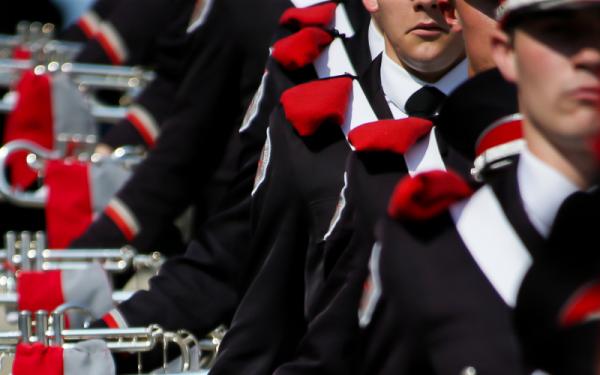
55	55
24	252
36	35
83	149
48	329
88	75
102	113
52	56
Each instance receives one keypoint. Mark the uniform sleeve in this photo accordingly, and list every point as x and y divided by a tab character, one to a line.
269	319
330	342
131	33
87	25
201	289
145	117
189	149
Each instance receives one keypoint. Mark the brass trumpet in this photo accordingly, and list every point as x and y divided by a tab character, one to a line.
48	329
128	157
25	252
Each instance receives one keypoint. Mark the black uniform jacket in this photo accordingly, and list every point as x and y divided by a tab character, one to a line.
329	344
301	190
229	63
201	289
174	59
438	313
136	31
556	324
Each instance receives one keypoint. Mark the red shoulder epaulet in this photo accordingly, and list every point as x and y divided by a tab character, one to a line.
309	105
583	306
301	48
319	15
389	135
427	195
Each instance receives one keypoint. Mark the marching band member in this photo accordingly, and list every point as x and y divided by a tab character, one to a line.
215	266
306	154
443	288
330	342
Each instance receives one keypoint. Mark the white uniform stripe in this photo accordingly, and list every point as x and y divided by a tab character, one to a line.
306	3
372	296
505	259
91	21
118	318
146	120
201	18
338	209
263	163
254	106
125	214
117	44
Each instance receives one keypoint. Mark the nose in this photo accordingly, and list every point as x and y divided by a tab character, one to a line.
428	4
444	6
588	58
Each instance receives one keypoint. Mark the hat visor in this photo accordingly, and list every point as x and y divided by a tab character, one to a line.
509	14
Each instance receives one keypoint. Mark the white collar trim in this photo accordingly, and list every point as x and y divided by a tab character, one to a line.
543	189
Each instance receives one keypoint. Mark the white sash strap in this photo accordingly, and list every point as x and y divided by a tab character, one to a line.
305	3
492	242
334	61
359	110
424	155
342	22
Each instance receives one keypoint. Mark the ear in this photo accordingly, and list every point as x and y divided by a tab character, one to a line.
372	6
448	9
504	55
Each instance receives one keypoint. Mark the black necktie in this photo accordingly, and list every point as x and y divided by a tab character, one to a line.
425	102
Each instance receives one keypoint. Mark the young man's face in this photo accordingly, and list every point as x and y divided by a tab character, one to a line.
422	35
555	60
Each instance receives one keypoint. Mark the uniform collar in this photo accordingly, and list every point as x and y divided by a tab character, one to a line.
376	42
543	189
398	84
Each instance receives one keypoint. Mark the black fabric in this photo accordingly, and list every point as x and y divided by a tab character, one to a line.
156	98
492	97
558	276
330	342
297	200
291	211
333	341
31	11
148	28
224	72
201	289
437	313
